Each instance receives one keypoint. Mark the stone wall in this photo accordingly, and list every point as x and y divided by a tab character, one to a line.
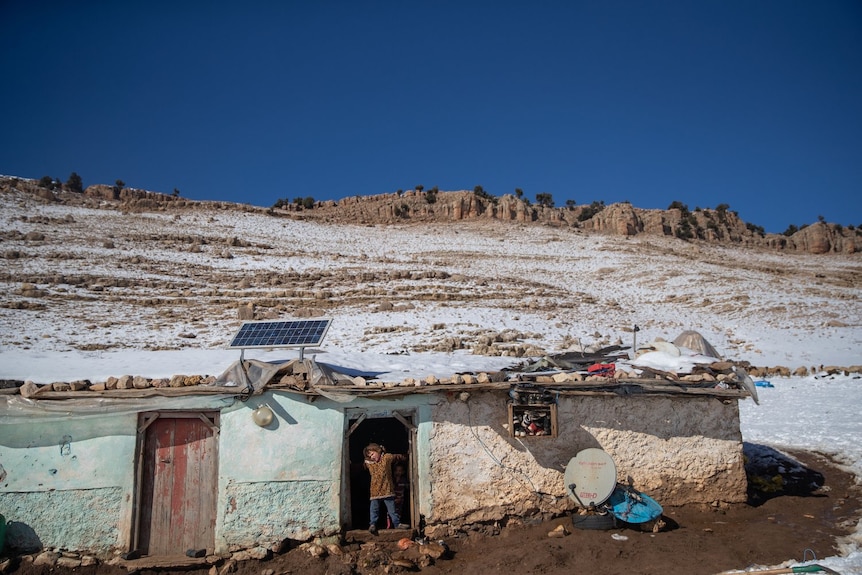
678	451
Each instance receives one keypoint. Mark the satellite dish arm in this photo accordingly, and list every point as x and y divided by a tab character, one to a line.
575	495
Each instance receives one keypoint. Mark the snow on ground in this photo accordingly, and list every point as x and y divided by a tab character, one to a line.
816	413
174	310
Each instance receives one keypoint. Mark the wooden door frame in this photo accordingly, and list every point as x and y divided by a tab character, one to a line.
212	420
407	417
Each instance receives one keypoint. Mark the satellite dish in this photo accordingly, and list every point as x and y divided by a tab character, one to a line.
590	477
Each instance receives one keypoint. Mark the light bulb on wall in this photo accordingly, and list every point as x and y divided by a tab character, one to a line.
262	416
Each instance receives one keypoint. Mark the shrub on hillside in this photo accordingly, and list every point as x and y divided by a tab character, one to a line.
791	229
591	210
545	199
75	183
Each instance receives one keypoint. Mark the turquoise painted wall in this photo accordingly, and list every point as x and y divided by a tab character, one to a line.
70	480
66	481
284	480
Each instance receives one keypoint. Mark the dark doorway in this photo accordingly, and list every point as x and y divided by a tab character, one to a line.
394	436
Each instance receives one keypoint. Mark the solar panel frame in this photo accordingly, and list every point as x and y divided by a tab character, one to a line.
280	333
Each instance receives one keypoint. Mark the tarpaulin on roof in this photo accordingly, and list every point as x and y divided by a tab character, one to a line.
15	408
694	341
249	376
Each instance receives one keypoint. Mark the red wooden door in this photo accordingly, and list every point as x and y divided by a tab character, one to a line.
179	485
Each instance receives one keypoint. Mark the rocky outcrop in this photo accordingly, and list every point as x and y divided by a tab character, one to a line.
131	197
822	238
619	219
720	226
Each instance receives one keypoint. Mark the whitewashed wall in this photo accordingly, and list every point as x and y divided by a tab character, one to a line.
677	450
70	480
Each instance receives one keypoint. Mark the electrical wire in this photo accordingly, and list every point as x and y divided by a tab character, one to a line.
521	476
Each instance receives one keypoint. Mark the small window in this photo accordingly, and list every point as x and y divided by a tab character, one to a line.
533	420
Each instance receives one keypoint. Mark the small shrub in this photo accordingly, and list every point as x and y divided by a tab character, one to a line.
591	210
75	184
480	192
684	231
756	229
402	211
545	199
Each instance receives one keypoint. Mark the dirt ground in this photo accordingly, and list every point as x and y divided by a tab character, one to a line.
695	541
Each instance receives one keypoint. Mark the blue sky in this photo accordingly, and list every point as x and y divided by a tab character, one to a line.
756	104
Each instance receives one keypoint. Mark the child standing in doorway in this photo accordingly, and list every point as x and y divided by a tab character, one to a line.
379	465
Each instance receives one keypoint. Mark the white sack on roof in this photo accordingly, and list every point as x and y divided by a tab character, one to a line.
665	361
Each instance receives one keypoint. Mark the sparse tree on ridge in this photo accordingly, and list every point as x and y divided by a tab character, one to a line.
419	188
755	229
176	193
545	199
791	229
519	193
481	193
118	187
595	207
75	183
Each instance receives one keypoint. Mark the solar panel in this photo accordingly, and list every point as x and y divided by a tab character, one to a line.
300	333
